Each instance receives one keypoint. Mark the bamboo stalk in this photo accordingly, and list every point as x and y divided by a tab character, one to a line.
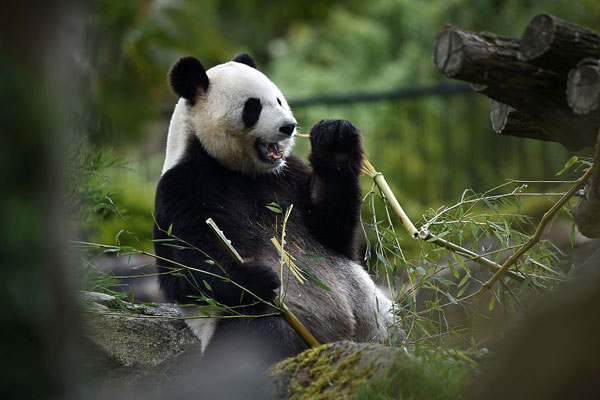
424	234
492	266
387	191
538	233
295	323
223	239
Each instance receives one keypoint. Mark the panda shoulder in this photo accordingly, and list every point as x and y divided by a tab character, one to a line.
182	183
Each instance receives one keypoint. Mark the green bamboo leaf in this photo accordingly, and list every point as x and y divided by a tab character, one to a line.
491	206
311	276
383	260
313	257
461	262
118	236
143	266
438	236
572	161
464	279
492	302
176	246
274	207
454	271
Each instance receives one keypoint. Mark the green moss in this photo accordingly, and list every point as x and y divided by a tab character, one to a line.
369	371
430	376
326	372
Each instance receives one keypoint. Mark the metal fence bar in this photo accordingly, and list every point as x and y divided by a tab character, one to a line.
409	92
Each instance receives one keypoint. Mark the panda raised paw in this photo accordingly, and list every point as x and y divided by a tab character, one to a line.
338	142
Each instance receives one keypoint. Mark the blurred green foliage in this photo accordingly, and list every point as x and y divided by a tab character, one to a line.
430	149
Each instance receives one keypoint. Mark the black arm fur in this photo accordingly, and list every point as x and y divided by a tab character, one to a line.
335	196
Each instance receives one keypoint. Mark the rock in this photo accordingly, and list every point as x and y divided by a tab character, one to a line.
138	351
332	371
129	343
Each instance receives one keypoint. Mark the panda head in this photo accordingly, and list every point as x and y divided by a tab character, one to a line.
239	115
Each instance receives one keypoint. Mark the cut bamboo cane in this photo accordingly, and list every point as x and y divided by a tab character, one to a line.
295	323
389	195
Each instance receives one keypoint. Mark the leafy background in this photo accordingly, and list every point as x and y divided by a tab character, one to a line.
430	148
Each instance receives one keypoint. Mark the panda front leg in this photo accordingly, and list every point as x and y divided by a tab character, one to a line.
334	194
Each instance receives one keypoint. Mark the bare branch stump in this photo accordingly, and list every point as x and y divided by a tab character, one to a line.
557	45
508	121
583	87
587	211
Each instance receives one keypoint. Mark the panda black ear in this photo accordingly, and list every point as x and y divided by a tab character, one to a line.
245	58
187	76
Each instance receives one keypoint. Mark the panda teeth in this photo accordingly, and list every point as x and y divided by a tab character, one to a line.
268	151
273	149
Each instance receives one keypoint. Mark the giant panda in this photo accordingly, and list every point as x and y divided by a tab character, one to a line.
228	158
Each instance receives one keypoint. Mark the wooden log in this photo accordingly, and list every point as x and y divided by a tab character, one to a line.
508	121
587	211
583	87
492	63
557	45
487	60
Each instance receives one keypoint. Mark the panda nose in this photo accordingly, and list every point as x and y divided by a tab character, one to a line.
287	129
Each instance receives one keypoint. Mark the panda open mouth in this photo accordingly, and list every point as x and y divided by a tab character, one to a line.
268	152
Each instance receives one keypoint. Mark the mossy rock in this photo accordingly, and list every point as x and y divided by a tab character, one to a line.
332	371
129	343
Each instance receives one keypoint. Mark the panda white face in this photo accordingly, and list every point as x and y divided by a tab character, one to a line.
239	115
243	119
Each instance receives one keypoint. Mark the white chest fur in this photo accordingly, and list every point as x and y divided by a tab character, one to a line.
202	326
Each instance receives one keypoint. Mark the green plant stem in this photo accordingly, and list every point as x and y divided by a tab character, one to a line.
146	253
425	235
536	236
492	266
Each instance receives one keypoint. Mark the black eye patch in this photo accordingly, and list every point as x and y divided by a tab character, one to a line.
252	109
278	101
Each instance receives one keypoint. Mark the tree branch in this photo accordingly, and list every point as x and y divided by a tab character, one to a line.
536	236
